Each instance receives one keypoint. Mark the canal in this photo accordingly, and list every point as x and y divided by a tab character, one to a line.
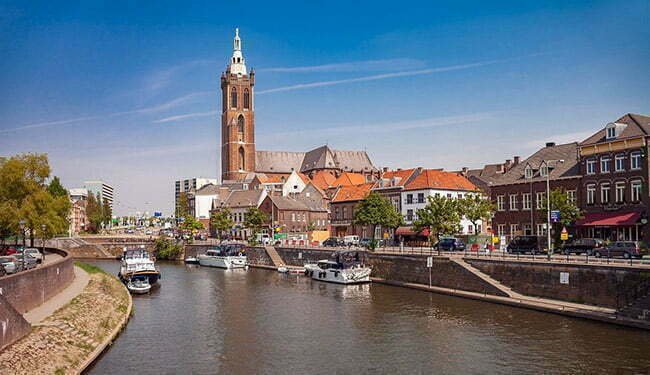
207	320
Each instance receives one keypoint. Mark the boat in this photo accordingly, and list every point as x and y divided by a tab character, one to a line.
297	271
224	256
138	264
283	269
343	267
138	286
192	260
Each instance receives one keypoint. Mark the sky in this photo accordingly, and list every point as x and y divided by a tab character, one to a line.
128	92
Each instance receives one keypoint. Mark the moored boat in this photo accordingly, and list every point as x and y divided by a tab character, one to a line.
227	256
138	286
192	260
138	264
344	267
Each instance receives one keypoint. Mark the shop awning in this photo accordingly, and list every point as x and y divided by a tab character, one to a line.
609	219
408	231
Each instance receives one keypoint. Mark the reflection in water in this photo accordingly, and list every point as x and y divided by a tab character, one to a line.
207	320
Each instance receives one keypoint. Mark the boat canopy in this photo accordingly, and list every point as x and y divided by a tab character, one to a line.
226	250
135	254
349	257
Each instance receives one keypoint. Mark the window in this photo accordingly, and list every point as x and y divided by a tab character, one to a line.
636	191
240	124
242	161
571	196
460	196
501	229
233	98
513	202
528	172
543	170
541	229
409	198
420	197
247	99
591	166
591	194
540	198
611	132
620	192
336	212
620	163
635	159
526	203
293	216
448	195
604	164
604	193
345	212
409	215
514	229
528	230
501	203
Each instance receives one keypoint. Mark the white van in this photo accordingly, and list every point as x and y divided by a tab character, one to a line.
263	238
351	240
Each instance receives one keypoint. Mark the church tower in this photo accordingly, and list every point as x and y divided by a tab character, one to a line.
237	117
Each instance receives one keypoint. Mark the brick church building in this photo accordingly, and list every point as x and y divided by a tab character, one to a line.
241	161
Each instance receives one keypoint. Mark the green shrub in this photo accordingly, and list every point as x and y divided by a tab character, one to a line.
166	249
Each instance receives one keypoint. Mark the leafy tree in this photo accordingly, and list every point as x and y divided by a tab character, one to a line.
190	223
22	175
475	207
56	189
376	210
40	208
182	209
255	220
441	216
167	249
569	213
94	213
107	212
221	221
8	220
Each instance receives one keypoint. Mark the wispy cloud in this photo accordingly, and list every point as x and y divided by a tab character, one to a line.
163	77
146	110
353	66
378	77
186	116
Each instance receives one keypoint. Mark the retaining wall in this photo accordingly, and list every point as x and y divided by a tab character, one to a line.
12	325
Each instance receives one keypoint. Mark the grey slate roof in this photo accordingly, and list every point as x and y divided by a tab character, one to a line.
320	158
569	169
278	161
243	198
638	125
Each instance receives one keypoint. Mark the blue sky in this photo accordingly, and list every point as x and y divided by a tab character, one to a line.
127	91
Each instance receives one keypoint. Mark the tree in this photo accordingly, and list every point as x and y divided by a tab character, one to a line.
8	221
22	175
182	205
190	223
166	249
475	207
107	212
254	220
94	213
441	216
40	208
569	213
56	189
221	221
376	210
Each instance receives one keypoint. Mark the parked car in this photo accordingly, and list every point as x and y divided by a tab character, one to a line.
9	250
450	244
34	253
9	264
333	242
364	242
625	249
28	261
583	246
351	240
526	244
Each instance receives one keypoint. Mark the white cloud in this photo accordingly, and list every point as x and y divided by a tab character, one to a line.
378	77
185	116
353	66
163	77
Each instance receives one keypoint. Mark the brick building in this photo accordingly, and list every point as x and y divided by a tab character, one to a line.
519	193
342	208
293	215
615	196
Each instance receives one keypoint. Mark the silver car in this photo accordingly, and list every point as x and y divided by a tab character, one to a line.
34	253
10	264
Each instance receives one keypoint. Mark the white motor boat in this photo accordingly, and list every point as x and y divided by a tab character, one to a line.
224	256
138	264
138	286
344	267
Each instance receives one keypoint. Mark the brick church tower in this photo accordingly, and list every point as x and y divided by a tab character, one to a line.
237	117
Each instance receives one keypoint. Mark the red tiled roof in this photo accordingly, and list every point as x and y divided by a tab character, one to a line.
352	192
437	179
323	179
347	178
403	175
304	178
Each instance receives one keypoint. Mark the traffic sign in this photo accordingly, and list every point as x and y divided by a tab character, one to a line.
429	262
564	235
555	216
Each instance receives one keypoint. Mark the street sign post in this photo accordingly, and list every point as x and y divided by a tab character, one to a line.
564	235
429	265
555	216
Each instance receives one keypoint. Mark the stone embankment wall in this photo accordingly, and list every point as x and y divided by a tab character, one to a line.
610	286
22	292
100	247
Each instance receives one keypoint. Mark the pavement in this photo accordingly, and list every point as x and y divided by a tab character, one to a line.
75	288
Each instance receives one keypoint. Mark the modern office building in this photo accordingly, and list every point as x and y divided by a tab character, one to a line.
104	190
190	185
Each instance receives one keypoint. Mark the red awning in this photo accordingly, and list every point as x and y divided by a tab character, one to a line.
609	219
408	231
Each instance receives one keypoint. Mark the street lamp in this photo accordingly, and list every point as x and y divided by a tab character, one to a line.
548	206
22	230
43	228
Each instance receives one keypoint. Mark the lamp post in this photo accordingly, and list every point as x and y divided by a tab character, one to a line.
548	207
22	231
43	228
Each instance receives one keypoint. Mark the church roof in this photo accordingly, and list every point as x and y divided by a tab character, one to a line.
278	161
320	158
353	161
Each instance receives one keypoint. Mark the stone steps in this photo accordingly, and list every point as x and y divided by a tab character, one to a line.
275	257
508	291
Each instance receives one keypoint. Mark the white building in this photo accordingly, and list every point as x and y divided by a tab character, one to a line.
238	202
190	185
431	182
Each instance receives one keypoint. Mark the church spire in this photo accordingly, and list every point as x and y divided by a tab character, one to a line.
237	63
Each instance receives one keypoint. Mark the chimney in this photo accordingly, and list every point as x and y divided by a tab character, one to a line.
500	168
550	144
517	160
399	169
465	169
385	169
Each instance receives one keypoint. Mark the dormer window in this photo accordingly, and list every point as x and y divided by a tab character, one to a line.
528	172
543	170
611	132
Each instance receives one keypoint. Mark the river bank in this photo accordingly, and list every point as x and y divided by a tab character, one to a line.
72	337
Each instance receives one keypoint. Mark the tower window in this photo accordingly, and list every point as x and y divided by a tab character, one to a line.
247	99
233	98
240	124
242	161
